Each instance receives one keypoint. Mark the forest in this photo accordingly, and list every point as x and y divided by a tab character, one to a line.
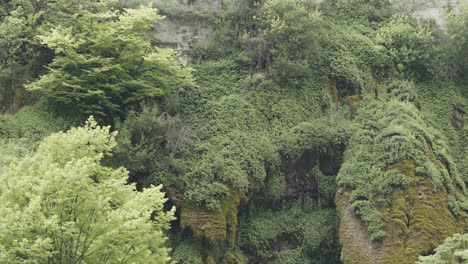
295	131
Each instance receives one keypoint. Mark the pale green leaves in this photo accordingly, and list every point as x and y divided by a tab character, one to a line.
61	40
64	147
60	205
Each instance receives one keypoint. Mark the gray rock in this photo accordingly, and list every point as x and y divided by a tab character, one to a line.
186	23
427	9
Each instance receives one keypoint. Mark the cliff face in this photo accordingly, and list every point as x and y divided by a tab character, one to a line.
426	9
186	23
13	96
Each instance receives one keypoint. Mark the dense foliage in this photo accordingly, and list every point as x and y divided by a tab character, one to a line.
288	105
270	237
391	131
457	44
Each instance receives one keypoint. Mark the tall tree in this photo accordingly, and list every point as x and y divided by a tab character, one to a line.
104	63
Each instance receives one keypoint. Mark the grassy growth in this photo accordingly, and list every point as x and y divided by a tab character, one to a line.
452	251
388	132
445	105
296	232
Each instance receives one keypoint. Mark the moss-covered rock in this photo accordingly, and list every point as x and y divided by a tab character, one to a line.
452	251
400	191
218	225
232	258
209	260
389	131
418	219
415	221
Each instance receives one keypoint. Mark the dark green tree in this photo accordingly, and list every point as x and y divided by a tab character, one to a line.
104	62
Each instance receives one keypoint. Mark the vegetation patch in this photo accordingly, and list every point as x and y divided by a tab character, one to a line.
391	131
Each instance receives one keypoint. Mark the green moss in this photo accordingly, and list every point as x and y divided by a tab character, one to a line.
232	258
209	260
217	225
390	131
417	220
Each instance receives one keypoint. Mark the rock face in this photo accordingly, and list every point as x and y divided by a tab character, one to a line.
425	9
218	225
186	23
13	96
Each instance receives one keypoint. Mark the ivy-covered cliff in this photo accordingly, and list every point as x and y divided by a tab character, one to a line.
284	131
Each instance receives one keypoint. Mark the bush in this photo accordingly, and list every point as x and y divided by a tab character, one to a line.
409	44
147	142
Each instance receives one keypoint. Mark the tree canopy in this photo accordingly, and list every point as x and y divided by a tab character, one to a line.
105	64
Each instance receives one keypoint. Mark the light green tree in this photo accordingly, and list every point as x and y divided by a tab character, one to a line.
21	21
60	205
